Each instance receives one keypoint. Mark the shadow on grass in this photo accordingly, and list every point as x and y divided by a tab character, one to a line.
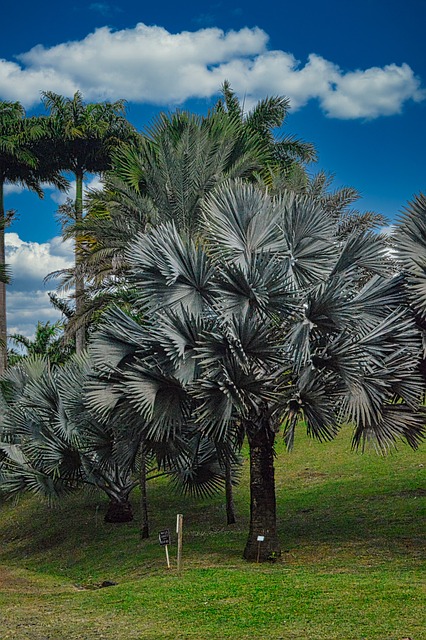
340	500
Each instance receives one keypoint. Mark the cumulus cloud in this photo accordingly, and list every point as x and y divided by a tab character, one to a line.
10	188
150	64
60	197
25	84
27	297
372	93
26	308
30	262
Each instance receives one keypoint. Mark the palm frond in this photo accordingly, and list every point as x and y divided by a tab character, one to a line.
169	271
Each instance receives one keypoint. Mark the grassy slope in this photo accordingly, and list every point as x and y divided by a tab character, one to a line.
353	533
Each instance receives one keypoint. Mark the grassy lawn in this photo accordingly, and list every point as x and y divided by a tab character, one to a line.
353	565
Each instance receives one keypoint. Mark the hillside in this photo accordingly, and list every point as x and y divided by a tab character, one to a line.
353	532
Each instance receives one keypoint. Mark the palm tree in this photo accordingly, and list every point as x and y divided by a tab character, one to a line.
82	139
165	176
4	270
288	155
409	246
19	164
50	444
339	204
259	326
47	342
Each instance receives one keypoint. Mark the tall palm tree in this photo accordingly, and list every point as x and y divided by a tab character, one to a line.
82	139
165	176
19	164
4	270
259	327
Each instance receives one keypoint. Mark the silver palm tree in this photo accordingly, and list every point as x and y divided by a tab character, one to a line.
269	322
51	444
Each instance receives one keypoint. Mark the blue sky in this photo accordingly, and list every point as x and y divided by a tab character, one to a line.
355	74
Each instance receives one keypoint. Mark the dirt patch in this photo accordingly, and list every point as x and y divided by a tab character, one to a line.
311	474
13	580
412	493
406	493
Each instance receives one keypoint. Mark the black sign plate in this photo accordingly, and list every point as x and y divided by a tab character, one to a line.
164	537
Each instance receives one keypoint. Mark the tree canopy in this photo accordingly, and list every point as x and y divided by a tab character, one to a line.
267	321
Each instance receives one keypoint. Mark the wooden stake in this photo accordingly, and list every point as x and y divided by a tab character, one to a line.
167	555
179	531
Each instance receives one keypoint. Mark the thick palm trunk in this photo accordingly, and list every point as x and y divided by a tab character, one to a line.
3	325
80	336
119	511
262	497
144	499
230	507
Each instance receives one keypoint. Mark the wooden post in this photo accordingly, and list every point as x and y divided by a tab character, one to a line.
167	555
179	528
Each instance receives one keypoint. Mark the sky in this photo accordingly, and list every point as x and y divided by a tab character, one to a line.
355	74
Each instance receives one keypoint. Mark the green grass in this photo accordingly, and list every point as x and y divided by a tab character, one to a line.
353	533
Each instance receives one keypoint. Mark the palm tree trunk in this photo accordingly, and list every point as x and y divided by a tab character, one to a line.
144	501
119	511
263	521
230	508
3	325
80	336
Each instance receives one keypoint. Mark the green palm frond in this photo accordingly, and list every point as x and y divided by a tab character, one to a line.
289	149
5	274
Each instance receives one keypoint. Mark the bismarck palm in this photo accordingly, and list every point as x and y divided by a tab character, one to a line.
269	321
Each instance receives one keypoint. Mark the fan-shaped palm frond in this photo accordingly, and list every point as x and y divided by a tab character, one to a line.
272	319
410	241
198	471
176	271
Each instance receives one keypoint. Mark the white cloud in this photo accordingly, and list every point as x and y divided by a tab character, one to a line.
25	84
150	64
27	297
60	197
389	230
12	188
372	93
26	308
30	262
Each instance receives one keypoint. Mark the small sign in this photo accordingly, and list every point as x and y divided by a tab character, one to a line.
164	537
260	538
